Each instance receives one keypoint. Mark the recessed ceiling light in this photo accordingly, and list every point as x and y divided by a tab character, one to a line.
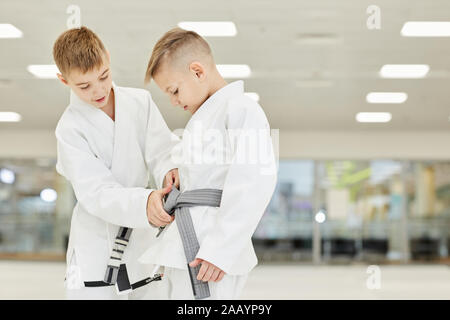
8	31
373	117
426	29
386	97
43	71
253	95
10	117
210	28
404	71
234	70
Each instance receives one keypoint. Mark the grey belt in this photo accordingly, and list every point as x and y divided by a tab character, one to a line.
178	203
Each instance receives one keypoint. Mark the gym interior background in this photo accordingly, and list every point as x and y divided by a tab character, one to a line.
357	92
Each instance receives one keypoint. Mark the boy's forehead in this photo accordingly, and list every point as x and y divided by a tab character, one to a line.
167	77
76	75
163	79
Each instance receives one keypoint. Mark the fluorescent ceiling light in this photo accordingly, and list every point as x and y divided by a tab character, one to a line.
8	31
210	28
10	117
386	97
234	70
373	117
426	29
404	71
43	71
253	95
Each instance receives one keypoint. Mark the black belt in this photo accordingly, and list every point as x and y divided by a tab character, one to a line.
138	284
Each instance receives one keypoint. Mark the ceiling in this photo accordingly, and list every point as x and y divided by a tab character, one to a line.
313	62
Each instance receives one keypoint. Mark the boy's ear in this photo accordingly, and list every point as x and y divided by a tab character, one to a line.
61	78
198	70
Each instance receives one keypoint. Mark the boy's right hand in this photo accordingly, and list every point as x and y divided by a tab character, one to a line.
155	212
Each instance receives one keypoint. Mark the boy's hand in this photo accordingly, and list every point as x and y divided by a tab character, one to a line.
155	211
172	178
208	271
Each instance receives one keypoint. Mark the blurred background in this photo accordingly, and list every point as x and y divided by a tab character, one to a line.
356	89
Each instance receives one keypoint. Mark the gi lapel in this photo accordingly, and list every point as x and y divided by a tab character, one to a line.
98	119
127	164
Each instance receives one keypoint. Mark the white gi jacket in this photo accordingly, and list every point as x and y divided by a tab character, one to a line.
220	129
108	164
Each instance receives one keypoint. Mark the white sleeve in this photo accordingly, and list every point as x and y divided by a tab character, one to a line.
95	187
159	143
247	191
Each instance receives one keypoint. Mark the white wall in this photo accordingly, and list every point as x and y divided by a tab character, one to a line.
365	145
293	144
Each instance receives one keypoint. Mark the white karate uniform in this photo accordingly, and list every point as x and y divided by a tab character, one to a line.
109	164
214	153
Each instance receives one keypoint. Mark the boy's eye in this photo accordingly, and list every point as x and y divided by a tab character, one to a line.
104	78
84	88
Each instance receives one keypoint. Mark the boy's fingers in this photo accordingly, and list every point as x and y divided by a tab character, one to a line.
215	275
164	216
166	189
161	213
221	274
202	271
155	221
158	215
195	262
209	273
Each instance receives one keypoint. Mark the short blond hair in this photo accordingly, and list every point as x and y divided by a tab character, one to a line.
78	48
173	45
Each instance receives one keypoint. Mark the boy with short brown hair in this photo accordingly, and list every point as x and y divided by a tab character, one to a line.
109	139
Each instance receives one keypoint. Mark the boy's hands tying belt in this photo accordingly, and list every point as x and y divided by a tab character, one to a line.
172	178
155	211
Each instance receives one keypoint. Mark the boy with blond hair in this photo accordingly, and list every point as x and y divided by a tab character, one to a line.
110	141
227	173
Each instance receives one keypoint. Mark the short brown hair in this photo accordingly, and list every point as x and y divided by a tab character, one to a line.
78	48
173	44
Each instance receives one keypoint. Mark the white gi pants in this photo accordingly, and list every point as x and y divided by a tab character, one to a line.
75	289
180	288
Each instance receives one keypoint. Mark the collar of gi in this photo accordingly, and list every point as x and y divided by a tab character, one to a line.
230	90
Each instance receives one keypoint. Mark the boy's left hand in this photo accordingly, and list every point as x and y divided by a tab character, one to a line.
172	178
208	271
